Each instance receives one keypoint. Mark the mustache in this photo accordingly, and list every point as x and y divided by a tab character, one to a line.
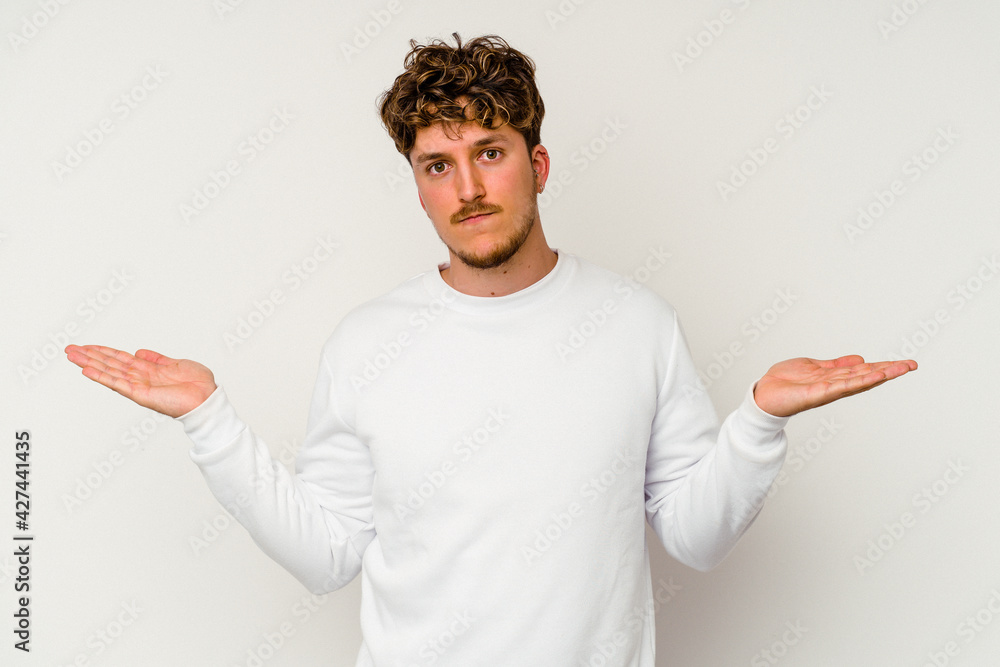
475	208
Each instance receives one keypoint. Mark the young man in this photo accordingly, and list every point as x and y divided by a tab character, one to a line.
491	481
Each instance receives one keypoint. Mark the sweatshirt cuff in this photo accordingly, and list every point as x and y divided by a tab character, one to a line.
213	424
761	432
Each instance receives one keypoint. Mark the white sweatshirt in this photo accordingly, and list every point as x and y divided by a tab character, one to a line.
487	464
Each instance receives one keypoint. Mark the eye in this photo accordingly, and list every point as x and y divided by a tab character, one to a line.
437	168
491	153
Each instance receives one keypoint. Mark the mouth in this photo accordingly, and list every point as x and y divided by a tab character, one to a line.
473	219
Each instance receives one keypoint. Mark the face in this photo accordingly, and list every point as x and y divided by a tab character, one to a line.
479	188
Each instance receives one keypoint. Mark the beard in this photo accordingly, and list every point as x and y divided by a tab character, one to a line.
504	250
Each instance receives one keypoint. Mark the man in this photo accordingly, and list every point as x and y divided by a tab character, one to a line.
490	479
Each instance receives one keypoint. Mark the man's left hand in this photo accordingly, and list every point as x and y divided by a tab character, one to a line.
796	385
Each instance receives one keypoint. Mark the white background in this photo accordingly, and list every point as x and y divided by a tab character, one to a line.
117	516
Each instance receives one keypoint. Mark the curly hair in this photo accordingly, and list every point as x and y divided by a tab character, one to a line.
497	80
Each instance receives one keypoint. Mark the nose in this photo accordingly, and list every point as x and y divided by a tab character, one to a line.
470	184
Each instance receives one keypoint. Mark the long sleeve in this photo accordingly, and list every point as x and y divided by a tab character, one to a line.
316	523
514	438
705	484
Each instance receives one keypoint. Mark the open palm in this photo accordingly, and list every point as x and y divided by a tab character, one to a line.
169	386
800	384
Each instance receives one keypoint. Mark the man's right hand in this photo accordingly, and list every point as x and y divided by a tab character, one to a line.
170	386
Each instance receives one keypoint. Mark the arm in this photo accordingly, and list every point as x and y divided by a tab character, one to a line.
316	533
705	484
316	523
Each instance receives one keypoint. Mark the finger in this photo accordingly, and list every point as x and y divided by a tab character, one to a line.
76	355
123	361
84	356
858	369
841	374
849	360
877	367
99	358
95	349
837	375
899	368
154	357
893	369
99	368
888	371
867	381
82	351
109	380
840	362
910	364
92	351
870	386
110	352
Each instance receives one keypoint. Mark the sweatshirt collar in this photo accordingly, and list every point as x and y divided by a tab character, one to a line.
538	292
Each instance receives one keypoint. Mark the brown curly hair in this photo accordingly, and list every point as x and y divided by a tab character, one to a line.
497	80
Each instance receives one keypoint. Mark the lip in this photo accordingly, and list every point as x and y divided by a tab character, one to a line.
475	218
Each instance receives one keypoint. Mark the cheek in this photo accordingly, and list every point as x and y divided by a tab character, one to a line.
521	182
426	197
435	204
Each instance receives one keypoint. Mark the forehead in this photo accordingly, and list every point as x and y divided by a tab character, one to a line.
440	139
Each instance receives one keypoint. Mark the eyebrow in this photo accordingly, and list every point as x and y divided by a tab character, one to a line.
493	138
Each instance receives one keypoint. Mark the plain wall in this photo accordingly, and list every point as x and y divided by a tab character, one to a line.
823	176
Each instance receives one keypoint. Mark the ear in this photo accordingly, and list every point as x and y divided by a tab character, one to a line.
540	165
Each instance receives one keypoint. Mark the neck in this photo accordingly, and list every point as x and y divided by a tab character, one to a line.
528	265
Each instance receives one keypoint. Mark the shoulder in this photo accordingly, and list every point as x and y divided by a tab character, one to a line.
628	289
379	319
